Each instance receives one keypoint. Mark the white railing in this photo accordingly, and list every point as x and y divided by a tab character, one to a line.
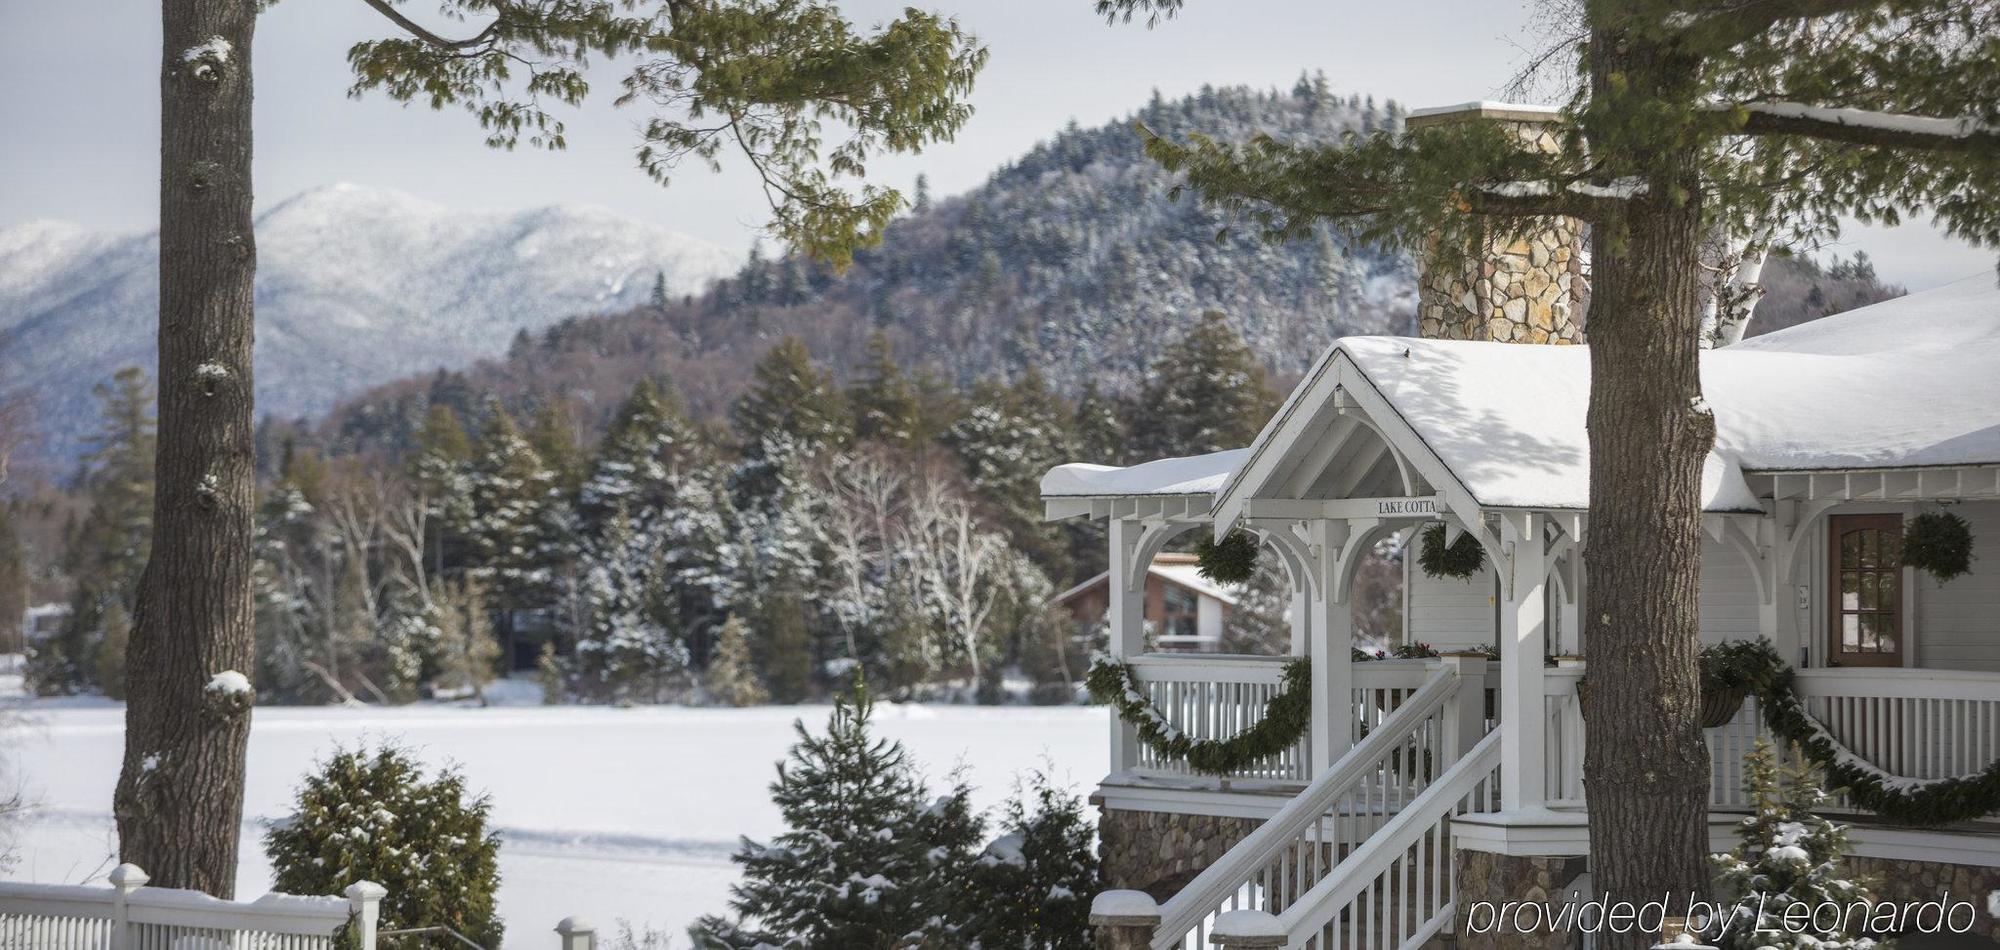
1213	697
1921	724
1562	783
129	916
1293	850
1397	890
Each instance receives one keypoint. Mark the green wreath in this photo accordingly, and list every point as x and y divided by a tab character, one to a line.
1287	717
1920	802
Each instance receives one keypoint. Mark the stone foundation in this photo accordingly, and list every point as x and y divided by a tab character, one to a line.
1159	852
1499	878
1902	881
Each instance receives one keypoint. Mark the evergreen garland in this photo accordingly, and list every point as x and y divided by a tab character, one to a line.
1940	543
1232	560
1919	802
1287	716
1461	559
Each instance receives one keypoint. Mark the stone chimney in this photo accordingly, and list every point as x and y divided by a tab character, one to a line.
1529	289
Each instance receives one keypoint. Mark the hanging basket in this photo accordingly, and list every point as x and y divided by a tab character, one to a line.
1719	705
1232	560
1939	543
1460	560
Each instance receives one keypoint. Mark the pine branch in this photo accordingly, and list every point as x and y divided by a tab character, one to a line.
1722	25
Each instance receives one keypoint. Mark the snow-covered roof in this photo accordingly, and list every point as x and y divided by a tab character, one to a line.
1183	573
1190	577
1911	382
1906	383
1192	475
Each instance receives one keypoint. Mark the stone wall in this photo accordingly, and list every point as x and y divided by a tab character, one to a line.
1500	878
1904	881
1158	852
1511	288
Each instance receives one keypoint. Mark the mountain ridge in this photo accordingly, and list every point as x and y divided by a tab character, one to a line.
356	286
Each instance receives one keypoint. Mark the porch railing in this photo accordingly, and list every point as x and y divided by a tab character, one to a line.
1911	723
1920	724
1213	697
1292	852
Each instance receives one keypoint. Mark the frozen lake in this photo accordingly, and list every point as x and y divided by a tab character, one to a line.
606	813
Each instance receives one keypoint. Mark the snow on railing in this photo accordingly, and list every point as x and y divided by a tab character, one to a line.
1343	808
129	916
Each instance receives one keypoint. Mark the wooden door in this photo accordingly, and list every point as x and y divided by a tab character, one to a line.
1865	584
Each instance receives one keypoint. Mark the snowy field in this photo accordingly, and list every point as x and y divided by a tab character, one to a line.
607	813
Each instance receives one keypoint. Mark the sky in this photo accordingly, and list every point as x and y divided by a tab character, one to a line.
79	120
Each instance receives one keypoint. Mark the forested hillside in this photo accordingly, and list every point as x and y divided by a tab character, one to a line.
1072	259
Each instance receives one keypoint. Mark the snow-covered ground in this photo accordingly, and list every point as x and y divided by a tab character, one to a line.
607	813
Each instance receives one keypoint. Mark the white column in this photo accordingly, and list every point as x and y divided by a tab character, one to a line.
1301	615
364	905
125	879
1128	627
1523	633
1777	618
575	933
1332	645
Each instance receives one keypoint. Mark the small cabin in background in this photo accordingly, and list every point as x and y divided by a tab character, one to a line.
1184	611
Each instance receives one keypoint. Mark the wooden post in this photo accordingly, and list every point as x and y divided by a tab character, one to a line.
576	934
1466	725
1523	635
125	878
1128	627
1332	646
364	903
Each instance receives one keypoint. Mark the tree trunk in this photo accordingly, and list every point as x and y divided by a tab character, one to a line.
1646	765
179	801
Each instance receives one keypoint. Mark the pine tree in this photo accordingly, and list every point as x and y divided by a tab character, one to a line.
117	627
1260	622
868	860
441	470
732	676
883	398
1205	393
467	650
1012	435
659	298
1032	886
508	532
790	399
375	817
1789	857
783	646
105	555
630	649
553	436
1100	434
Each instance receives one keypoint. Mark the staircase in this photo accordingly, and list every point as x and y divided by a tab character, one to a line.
1362	856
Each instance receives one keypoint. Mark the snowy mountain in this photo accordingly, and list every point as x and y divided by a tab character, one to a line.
1073	259
355	286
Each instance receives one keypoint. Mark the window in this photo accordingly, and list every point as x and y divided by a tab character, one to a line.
1180	611
1865	577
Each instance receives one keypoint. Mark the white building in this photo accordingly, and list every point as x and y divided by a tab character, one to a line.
1831	436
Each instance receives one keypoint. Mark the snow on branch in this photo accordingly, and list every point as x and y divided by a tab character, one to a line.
1863	126
1620	188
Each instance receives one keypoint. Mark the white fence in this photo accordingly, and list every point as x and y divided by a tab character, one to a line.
127	915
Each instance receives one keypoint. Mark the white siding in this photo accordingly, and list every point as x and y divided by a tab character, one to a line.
1958	624
1447	613
1728	594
